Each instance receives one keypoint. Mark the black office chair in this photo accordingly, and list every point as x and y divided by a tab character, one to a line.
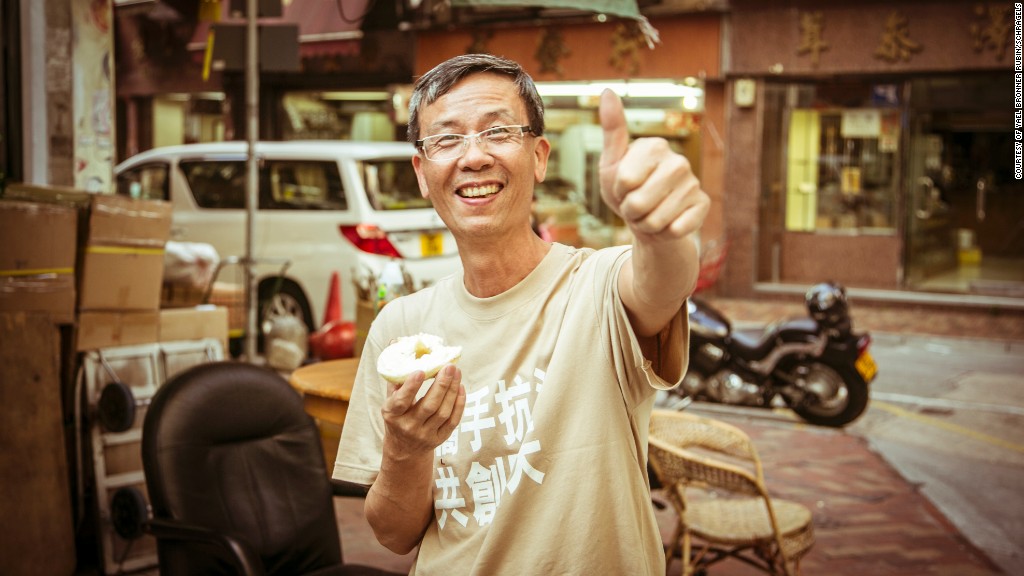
236	477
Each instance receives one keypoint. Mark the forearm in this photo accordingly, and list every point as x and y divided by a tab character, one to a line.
656	281
399	504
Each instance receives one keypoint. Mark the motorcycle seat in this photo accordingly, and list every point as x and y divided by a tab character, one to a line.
754	345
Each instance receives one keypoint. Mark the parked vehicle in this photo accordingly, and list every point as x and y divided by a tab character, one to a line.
817	366
325	206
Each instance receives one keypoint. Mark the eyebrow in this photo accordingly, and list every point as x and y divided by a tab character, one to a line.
449	125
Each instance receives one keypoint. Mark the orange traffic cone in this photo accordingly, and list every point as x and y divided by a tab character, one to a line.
332	311
335	339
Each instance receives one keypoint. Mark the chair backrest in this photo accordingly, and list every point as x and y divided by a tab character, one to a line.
688	450
228	446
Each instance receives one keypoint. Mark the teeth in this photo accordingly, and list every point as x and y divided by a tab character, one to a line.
478	191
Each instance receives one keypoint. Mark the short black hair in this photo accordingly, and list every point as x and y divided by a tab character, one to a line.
439	81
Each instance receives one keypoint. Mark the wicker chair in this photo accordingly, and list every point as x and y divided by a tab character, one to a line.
712	476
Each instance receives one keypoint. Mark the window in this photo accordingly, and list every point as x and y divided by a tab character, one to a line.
392	185
840	172
303	185
284	184
147	182
216	183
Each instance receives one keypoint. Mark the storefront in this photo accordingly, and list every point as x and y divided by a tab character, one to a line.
871	143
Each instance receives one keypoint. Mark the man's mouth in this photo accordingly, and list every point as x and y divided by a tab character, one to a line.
478	191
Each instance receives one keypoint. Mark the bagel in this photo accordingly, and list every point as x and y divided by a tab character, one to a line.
408	354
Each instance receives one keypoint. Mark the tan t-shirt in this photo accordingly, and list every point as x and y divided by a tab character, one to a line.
546	473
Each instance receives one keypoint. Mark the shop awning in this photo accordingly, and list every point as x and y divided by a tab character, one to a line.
621	8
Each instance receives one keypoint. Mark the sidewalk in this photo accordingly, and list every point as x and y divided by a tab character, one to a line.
867	518
878	317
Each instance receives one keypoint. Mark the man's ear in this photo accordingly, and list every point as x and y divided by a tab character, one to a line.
541	151
417	165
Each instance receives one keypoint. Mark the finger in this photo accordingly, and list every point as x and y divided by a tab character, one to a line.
651	172
403	396
613	124
616	143
432	401
453	380
693	217
456	416
675	215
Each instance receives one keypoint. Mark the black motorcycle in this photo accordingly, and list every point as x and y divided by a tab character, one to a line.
817	366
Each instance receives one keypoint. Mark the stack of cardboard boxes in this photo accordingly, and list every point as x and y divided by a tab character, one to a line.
94	261
122	254
79	273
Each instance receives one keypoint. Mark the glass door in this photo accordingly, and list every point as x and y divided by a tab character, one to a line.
964	209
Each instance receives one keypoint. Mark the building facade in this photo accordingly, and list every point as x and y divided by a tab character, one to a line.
871	143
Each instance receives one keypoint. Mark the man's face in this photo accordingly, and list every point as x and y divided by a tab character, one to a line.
483	193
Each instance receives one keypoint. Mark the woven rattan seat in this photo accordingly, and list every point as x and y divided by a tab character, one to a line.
712	475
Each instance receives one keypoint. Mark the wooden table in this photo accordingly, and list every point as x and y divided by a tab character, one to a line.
326	387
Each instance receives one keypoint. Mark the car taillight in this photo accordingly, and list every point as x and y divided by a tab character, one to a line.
371	239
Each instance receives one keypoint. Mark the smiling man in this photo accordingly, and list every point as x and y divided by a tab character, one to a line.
529	457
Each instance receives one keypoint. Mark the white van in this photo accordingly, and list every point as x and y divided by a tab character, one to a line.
327	206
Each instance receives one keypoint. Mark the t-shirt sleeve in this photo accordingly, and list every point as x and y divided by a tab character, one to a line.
666	368
362	436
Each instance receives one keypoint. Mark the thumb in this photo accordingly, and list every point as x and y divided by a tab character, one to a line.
613	124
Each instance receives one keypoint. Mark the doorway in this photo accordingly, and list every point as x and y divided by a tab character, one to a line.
964	210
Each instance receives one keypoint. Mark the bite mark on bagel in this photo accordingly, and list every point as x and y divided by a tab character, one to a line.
419	352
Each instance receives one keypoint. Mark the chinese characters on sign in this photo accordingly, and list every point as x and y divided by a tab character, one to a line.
551	51
811	41
479	43
626	43
896	44
992	31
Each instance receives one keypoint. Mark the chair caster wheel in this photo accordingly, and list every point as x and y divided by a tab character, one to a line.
128	512
116	408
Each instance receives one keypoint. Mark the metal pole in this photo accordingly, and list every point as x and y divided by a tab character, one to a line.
252	84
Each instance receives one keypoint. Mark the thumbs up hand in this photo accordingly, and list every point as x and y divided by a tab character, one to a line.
652	188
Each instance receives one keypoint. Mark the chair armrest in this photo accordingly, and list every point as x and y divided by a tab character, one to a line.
247	562
344	488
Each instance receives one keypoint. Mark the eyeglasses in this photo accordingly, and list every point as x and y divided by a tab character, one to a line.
498	140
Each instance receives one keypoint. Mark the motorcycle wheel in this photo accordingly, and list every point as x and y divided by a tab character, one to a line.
834	395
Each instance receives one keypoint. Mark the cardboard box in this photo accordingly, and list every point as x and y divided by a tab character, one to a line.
37	263
106	329
365	313
120	245
195	323
181	295
122	221
123	254
120	278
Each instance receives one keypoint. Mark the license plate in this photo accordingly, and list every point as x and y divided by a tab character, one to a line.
431	243
866	366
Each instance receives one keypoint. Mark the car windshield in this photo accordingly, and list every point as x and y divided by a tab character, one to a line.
391	184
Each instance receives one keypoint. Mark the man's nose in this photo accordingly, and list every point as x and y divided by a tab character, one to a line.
476	151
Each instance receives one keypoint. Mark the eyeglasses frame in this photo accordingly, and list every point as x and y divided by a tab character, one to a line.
525	128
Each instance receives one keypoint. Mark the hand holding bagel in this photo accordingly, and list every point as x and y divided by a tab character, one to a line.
420	422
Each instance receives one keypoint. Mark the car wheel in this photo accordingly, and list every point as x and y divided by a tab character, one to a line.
289	300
